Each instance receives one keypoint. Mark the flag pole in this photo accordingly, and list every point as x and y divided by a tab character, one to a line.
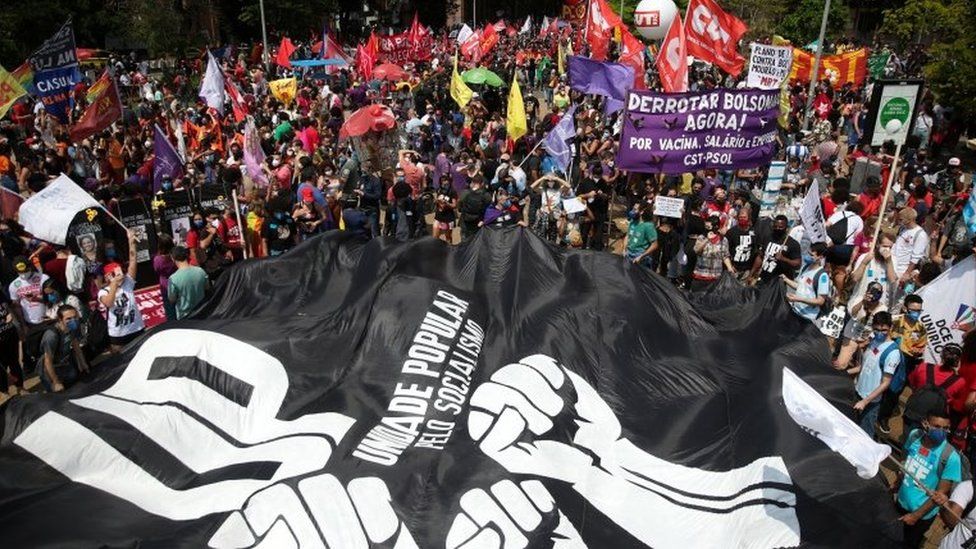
816	66
530	152
884	200
264	38
240	227
117	220
924	488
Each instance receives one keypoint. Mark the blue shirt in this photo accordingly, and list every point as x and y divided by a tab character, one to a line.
871	368
924	464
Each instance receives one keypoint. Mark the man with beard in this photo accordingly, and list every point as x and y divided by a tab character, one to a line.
780	253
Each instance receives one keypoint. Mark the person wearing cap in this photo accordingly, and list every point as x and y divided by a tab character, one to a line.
947	179
118	300
29	307
308	215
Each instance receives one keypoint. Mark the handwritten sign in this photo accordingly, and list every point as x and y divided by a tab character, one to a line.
769	66
669	207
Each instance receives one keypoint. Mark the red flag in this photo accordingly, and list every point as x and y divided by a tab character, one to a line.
713	35
672	60
632	55
364	62
822	105
104	109
415	32
599	28
488	39
284	52
236	100
471	48
9	203
839	69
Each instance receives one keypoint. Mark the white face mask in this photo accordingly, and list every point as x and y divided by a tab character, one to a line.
148	144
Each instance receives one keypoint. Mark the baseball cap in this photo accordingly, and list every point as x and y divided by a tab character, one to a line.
954	161
109	267
307	193
21	265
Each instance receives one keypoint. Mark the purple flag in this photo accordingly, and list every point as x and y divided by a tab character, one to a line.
555	142
609	79
678	133
167	162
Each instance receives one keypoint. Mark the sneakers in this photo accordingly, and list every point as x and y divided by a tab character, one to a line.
884	427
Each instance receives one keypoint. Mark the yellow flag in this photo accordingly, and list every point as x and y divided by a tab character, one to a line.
10	91
460	91
516	124
284	90
784	90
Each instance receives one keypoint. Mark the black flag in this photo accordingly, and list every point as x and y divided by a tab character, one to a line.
501	393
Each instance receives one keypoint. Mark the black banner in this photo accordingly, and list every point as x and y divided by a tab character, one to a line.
211	197
502	393
86	238
175	213
134	214
57	51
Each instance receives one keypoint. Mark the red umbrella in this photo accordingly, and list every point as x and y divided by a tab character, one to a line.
375	117
389	71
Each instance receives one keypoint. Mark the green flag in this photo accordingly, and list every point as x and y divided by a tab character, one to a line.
877	64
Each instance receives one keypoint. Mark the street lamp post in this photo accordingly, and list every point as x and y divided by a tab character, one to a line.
264	37
816	66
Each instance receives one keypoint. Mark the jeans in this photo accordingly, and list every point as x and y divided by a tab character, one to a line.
402	224
67	373
373	222
869	417
646	262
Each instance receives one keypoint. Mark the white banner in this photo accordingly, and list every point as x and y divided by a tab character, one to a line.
949	310
464	34
47	214
812	215
769	66
896	110
821	419
668	206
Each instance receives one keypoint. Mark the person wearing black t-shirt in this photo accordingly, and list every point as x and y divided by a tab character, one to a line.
504	212
780	253
445	210
743	246
596	192
279	230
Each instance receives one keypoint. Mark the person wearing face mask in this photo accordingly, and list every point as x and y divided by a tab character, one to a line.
28	304
876	267
781	254
934	463
910	333
910	247
118	301
712	250
880	359
61	357
743	245
936	385
55	296
503	213
813	291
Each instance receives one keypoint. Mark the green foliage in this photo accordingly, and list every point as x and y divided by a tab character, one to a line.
296	18
951	71
923	20
801	20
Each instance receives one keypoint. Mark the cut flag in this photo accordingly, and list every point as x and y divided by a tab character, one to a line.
167	163
254	156
47	214
821	419
10	91
632	55
212	87
284	90
672	61
713	35
105	108
600	27
527	26
285	49
515	123
236	100
838	69
556	142
460	91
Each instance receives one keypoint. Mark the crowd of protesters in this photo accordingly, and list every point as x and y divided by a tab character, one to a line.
455	172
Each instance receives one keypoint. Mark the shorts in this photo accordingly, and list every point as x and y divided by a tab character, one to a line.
444	225
122	341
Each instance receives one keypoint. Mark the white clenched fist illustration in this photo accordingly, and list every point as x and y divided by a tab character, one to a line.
505	515
358	516
656	501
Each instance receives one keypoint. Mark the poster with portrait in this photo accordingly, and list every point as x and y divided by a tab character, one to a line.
175	210
86	238
135	215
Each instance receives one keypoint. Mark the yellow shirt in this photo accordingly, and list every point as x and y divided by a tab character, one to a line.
913	336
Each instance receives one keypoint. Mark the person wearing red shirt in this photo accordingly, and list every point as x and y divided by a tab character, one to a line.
871	197
413	171
57	266
943	376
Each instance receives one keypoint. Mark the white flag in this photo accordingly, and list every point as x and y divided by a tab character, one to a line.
212	88
47	214
821	419
527	25
545	23
464	34
812	215
949	308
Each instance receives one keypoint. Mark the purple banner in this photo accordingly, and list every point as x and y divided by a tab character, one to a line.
677	133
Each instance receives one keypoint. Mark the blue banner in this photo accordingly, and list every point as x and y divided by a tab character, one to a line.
54	87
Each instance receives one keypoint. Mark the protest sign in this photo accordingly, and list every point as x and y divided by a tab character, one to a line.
573	205
668	206
684	132
150	303
811	213
57	51
175	209
47	214
892	111
134	214
770	194
769	66
53	87
211	197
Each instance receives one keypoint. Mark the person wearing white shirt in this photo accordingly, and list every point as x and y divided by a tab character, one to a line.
959	504
910	247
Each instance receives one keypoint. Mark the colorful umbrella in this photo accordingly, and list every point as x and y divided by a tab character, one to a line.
481	75
377	118
389	71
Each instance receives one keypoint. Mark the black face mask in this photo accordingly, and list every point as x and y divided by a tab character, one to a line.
779	233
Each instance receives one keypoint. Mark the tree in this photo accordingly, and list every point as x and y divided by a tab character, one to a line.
951	71
801	20
923	20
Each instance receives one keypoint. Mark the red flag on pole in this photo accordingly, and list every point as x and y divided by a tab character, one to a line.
104	109
236	100
713	35
599	28
632	55
672	60
285	49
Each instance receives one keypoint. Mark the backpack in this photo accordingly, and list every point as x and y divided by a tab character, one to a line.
929	396
965	470
900	377
837	233
828	304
